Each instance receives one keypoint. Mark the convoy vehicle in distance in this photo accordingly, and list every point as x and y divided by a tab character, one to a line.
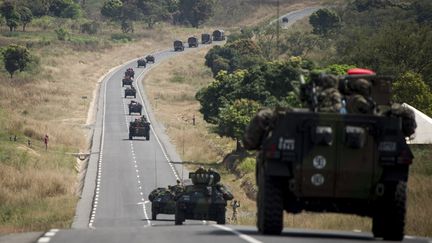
127	81
134	107
178	45
285	20
206	39
331	162
141	62
130	91
130	72
139	128
218	35
193	41
150	58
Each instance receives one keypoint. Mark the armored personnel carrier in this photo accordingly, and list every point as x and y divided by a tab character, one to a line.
206	39
163	202
332	162
178	45
139	128
130	72
193	41
150	58
127	81
141	62
135	107
130	91
218	35
204	200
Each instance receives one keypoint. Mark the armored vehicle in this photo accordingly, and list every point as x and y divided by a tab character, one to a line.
141	62
193	42
163	202
130	91
150	58
139	128
127	81
285	20
218	35
206	39
332	162
130	72
135	107
204	200
178	45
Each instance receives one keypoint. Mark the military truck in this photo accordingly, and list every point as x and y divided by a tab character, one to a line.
135	107
193	41
127	81
130	91
150	58
206	39
139	128
141	62
178	45
130	72
285	20
204	200
218	35
332	162
163	202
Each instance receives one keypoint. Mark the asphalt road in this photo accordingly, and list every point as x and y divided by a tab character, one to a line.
121	174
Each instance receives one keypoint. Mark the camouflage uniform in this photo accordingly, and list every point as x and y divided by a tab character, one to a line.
235	204
357	95
328	96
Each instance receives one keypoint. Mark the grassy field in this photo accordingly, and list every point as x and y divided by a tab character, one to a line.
175	107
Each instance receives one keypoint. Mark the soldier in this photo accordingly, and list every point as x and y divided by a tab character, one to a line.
357	95
177	189
234	204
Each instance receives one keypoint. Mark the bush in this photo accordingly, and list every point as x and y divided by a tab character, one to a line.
90	28
62	34
120	37
247	165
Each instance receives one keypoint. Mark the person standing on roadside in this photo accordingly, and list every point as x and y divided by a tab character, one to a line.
46	139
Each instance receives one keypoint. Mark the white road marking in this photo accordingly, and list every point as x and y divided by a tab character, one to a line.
145	213
44	240
409	237
357	231
240	235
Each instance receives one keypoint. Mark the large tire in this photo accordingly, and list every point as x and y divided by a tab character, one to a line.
221	218
269	204
394	210
154	214
130	136
179	217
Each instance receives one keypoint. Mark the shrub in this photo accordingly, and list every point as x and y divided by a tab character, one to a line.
247	165
90	28
120	37
62	34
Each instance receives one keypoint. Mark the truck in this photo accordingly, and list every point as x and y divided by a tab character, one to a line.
127	81
218	35
206	38
130	91
163	202
331	162
206	199
139	128
130	72
141	62
178	45
193	41
150	58
135	107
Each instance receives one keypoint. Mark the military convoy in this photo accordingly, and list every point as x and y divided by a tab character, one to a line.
331	162
130	73
139	128
206	39
130	91
135	107
127	81
163	202
178	45
193	42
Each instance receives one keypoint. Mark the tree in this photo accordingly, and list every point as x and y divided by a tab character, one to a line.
154	12
16	58
234	118
423	10
26	16
112	9
65	9
410	88
324	21
72	11
196	12
13	20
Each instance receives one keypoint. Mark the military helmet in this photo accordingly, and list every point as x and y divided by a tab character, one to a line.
359	86
324	80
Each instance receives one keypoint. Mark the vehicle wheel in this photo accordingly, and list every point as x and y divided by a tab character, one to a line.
377	223
129	113
179	217
269	205
393	217
125	96
148	137
221	218
135	96
130	137
154	214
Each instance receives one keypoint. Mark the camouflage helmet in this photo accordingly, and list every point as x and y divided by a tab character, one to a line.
324	80
359	86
